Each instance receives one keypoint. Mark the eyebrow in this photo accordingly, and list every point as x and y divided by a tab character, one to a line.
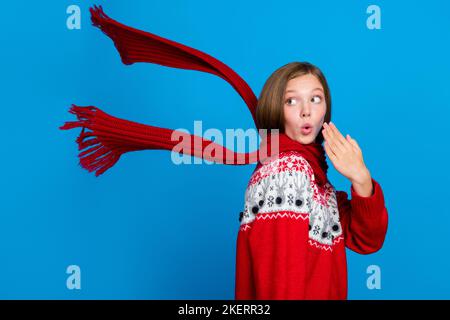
311	90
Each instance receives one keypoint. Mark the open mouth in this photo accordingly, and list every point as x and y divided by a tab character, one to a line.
306	130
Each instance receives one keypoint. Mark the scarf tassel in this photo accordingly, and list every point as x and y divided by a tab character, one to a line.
99	157
110	137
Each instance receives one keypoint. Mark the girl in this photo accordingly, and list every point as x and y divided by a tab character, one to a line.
295	225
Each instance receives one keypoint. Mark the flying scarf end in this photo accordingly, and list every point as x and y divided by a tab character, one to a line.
96	164
110	28
97	14
84	116
100	155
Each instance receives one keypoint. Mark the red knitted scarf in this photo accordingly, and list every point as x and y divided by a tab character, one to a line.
110	137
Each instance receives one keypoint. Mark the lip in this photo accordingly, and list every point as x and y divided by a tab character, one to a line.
306	128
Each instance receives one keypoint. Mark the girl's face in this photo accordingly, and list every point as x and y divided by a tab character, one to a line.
304	105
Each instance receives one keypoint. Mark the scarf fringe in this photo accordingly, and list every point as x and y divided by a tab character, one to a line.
99	158
110	137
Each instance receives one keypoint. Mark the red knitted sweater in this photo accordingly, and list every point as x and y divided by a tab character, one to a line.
293	233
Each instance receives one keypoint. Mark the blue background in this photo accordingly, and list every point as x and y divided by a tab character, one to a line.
148	229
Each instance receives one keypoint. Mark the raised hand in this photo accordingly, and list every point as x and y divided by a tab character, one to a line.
347	158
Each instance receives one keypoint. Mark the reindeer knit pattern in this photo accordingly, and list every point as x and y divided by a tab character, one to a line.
293	233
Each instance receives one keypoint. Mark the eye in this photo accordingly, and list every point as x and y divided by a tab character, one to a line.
290	99
317	96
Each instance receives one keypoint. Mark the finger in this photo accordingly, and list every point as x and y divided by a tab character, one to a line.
330	153
338	135
353	142
332	142
347	137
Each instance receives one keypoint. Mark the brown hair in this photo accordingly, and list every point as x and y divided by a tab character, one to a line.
269	110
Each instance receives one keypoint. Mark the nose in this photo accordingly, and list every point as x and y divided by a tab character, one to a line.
305	111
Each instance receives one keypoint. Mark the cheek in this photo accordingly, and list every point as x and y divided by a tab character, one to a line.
289	115
324	110
321	111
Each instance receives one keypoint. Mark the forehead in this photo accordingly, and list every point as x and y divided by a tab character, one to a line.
304	84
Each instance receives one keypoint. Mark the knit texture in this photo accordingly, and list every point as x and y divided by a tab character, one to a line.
293	233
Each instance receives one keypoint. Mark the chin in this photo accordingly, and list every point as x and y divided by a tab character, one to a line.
305	140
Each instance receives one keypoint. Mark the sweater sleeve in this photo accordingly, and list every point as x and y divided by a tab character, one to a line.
364	220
